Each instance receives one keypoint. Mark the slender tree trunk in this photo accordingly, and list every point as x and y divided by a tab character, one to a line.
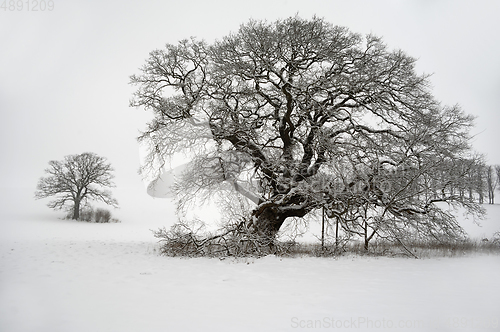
366	236
76	210
323	230
337	234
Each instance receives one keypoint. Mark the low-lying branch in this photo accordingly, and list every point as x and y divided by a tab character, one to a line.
232	241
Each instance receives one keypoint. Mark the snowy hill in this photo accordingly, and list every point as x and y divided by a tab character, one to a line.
60	275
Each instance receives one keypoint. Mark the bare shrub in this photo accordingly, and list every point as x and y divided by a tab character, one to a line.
87	214
496	238
102	216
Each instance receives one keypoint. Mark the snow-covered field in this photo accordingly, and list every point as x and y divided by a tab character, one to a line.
61	275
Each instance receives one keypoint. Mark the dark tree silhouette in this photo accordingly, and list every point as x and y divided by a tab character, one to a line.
76	180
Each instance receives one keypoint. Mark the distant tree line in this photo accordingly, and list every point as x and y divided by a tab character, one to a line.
492	175
480	180
470	178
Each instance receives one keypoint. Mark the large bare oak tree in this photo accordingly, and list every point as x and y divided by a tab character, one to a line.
76	180
299	115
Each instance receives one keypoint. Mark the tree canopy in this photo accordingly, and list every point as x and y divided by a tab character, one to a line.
76	180
299	115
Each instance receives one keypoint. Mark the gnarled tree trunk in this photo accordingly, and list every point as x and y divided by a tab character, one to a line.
269	216
267	220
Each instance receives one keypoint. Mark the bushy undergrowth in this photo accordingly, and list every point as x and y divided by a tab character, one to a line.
187	240
416	249
98	215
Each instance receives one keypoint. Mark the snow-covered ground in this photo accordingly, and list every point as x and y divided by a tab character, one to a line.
60	275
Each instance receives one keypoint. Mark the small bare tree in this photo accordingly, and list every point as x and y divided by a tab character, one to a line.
75	180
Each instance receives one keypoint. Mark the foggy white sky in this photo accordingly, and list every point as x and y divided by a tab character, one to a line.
64	73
